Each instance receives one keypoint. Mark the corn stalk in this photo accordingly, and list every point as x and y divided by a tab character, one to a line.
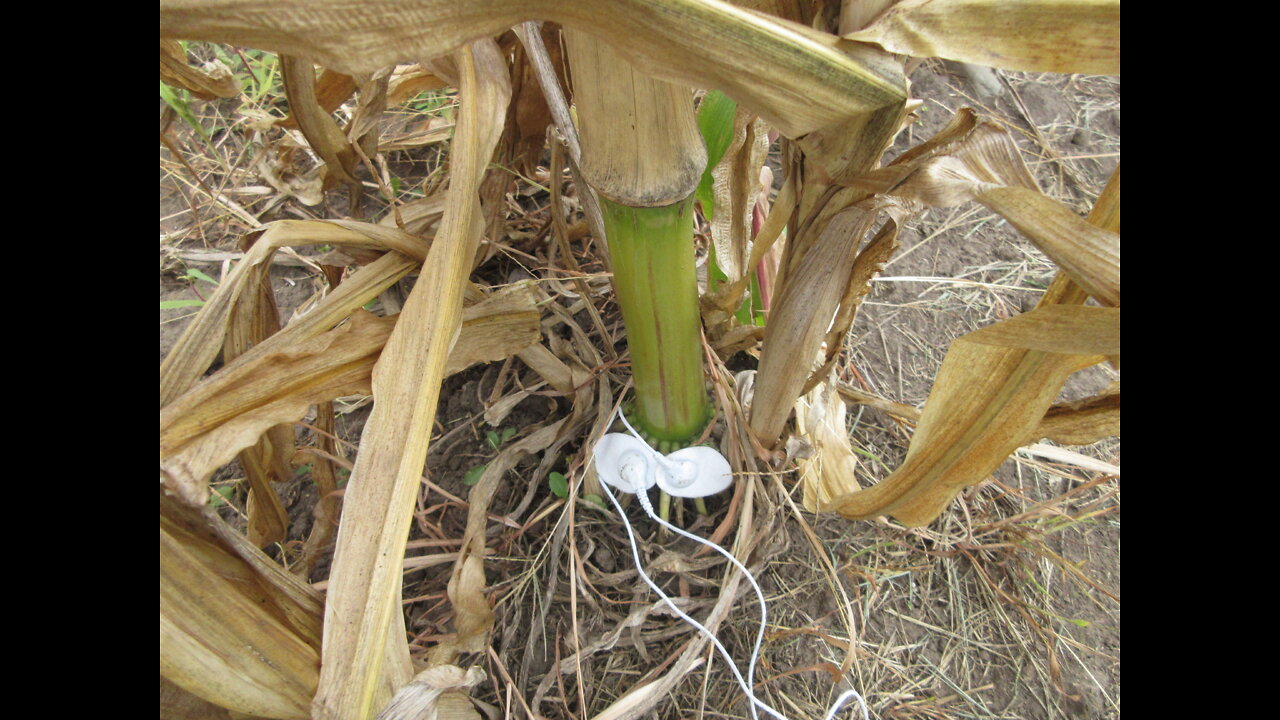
642	154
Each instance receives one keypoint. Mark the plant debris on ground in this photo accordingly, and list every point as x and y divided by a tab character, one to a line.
1006	606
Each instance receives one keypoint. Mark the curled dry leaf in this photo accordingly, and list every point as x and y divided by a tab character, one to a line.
827	471
191	411
434	131
989	397
803	310
214	80
254	319
1082	422
199	345
718	307
473	618
204	429
408	81
317	125
417	217
1062	36
973	160
235	628
332	89
307	187
993	392
735	185
424	695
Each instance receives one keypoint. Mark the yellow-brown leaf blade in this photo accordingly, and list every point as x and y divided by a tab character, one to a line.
1064	36
990	395
363	602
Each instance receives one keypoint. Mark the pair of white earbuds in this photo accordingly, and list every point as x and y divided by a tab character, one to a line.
628	463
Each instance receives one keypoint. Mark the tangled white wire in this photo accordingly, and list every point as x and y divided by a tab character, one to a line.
652	459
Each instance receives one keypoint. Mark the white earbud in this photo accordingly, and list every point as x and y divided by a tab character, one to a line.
629	464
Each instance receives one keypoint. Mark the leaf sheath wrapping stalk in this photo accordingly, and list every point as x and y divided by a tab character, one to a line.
640	141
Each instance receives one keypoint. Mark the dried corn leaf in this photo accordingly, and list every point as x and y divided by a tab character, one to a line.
870	261
235	628
417	217
990	395
1106	215
473	618
254	319
1063	36
1085	252
434	132
328	508
972	160
196	404
363	601
214	80
203	429
178	704
268	521
307	187
1082	422
799	80
803	312
551	368
362	131
332	89
530	111
1074	423
717	308
828	471
425	695
735	185
856	15
409	81
199	345
317	125
1070	457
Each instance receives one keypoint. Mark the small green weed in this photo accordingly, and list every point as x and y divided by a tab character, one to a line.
174	304
180	101
221	495
495	441
559	484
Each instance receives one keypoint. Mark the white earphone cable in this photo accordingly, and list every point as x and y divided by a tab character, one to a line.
652	459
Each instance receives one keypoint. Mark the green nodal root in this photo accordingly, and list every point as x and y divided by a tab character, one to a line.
651	250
